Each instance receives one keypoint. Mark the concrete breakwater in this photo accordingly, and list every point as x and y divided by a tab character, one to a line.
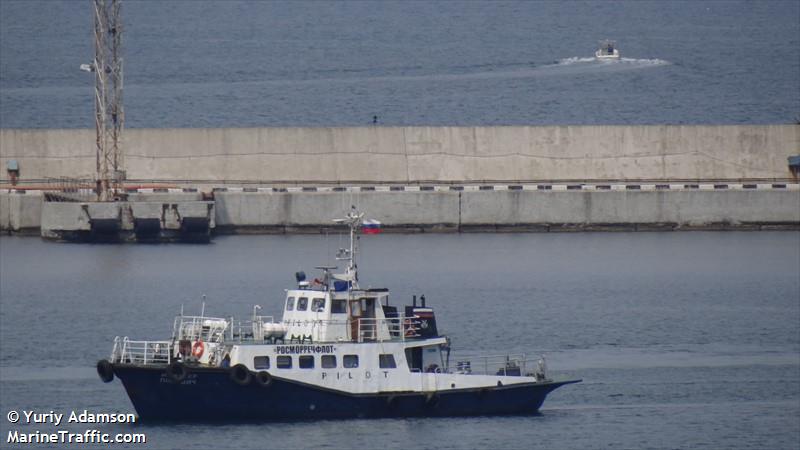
516	178
421	209
414	155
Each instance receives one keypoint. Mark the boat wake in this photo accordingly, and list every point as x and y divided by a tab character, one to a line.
622	62
565	66
484	72
562	67
575	59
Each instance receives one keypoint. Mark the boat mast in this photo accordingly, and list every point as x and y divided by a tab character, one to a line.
353	220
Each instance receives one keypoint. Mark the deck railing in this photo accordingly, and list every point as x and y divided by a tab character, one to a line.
506	365
141	352
248	330
199	328
360	330
217	329
398	328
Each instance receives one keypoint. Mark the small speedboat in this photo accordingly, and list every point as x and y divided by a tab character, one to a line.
607	51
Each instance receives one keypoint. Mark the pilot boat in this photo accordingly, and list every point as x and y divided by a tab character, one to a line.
607	50
339	351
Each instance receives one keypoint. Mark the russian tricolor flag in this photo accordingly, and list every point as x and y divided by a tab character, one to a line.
371	226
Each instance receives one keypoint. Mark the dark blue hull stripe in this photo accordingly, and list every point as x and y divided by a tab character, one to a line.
208	394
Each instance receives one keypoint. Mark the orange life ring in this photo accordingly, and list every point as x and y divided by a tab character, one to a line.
197	349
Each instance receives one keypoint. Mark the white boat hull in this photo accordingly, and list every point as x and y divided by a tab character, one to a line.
606	57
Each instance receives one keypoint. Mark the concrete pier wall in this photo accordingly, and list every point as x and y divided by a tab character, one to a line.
315	210
436	210
415	154
683	209
521	210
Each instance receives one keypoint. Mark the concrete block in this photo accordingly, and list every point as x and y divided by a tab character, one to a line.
146	218
146	210
5	212
64	216
126	222
197	211
20	212
103	210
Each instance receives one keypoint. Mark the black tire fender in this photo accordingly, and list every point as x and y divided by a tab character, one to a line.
263	378
105	370
241	375
177	371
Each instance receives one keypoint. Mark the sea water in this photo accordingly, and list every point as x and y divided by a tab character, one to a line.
242	64
683	340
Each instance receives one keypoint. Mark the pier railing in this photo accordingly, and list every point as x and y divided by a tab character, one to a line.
64	189
140	352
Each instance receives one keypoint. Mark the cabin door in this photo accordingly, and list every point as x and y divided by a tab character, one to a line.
362	315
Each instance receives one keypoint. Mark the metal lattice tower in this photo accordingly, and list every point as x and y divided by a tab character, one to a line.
109	115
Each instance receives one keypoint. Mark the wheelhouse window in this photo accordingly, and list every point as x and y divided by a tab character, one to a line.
318	305
284	362
386	361
302	303
261	362
350	361
290	304
328	361
338	306
306	362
